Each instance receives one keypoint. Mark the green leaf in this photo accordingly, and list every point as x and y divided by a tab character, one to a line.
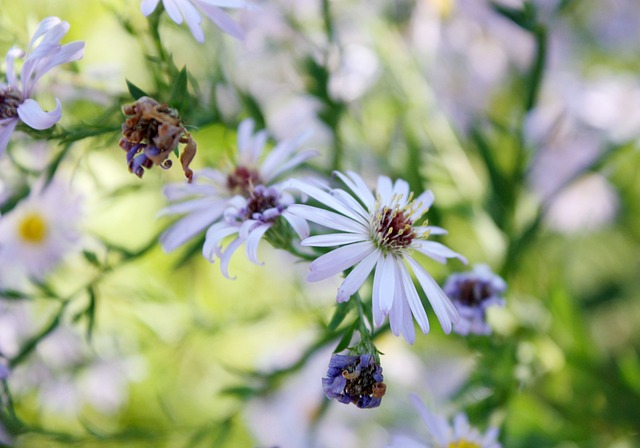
346	338
91	312
12	294
342	309
91	257
135	91
179	93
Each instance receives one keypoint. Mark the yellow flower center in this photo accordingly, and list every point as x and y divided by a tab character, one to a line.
33	228
463	444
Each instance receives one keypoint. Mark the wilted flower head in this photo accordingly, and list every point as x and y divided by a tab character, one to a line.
379	232
186	9
150	133
355	379
242	200
472	293
43	54
460	435
39	231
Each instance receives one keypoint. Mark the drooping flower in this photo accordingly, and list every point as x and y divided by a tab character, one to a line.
249	219
244	194
460	435
150	133
43	54
379	232
179	10
354	379
37	234
472	293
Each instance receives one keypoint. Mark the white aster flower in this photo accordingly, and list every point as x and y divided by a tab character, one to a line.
225	197
460	435
186	9
249	219
39	231
43	54
379	232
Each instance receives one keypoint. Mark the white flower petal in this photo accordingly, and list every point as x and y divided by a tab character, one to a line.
200	204
357	276
338	260
148	6
193	19
401	191
224	3
328	219
253	240
298	224
173	10
185	229
423	203
215	234
436	251
222	20
413	299
226	256
358	187
351	202
334	239
384	189
437	425
245	132
384	283
433	230
32	114
442	306
324	198
12	54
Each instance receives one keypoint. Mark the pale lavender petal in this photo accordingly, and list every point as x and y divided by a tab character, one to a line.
253	240
461	426
226	256
148	6
298	224
433	230
175	192
68	53
6	131
173	10
328	219
12	54
437	425
222	20
436	251
43	27
32	114
358	187
357	276
245	131
225	3
186	228
292	163
338	260
214	237
442	306
413	299
324	198
334	239
214	206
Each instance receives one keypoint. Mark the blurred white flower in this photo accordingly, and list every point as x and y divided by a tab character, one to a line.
37	234
43	54
213	191
379	232
459	435
187	10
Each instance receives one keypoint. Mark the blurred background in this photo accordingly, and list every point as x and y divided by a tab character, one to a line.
523	117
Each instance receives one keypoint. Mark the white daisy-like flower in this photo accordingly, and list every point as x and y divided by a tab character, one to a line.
39	231
379	232
212	192
179	10
43	54
459	435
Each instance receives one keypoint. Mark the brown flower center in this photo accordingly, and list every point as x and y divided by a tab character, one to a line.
242	181
9	102
473	293
393	230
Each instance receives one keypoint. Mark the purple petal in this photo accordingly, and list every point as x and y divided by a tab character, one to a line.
338	260
148	6
6	130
